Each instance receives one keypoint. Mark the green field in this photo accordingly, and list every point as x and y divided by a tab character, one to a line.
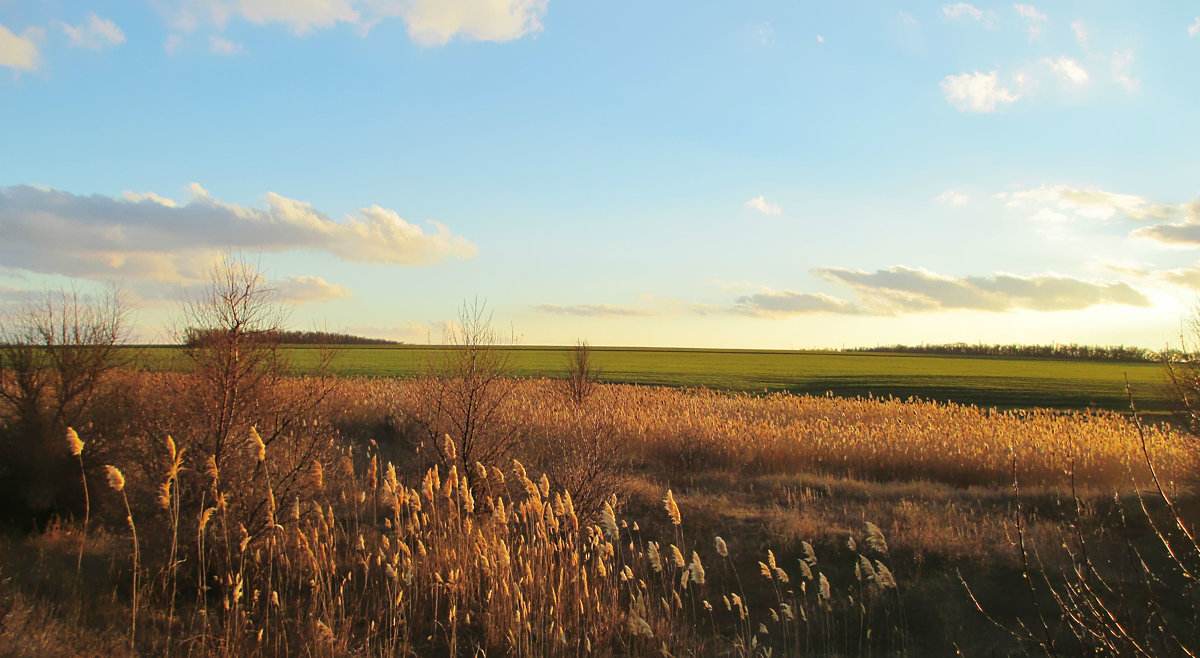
1004	383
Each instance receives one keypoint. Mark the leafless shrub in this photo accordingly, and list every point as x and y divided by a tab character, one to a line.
1139	600
239	388
55	357
582	375
584	457
465	392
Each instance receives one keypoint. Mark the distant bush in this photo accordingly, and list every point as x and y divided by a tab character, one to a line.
1070	351
195	336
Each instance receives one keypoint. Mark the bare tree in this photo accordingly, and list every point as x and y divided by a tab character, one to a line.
581	374
466	392
55	357
1183	371
240	397
229	334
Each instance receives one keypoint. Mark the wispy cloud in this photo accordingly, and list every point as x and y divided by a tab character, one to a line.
763	206
1187	277
304	289
17	296
1034	18
1081	34
953	198
1122	63
977	92
1178	224
907	290
301	17
763	33
1182	233
1068	68
220	46
1194	28
436	22
1184	277
1068	202
594	310
20	51
967	11
784	303
150	237
429	22
94	34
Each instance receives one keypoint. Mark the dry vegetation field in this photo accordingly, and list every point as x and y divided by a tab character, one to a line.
235	509
336	518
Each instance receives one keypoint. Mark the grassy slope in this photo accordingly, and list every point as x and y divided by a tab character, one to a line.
984	381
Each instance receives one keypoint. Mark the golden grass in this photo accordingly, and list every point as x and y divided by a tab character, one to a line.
336	551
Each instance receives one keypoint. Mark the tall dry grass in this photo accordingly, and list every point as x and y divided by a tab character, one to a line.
883	439
324	541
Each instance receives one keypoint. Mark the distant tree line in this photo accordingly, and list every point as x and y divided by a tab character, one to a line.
1069	351
194	337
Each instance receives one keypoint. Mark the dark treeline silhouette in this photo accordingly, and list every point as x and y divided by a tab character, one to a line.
194	337
1058	351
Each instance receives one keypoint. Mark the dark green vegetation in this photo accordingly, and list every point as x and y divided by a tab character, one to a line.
1005	383
1071	351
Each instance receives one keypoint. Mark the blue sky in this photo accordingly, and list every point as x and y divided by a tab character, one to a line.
751	174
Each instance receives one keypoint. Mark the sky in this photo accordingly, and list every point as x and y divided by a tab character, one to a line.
759	174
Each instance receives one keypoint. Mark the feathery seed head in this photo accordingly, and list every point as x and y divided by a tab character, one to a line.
672	508
74	444
259	446
115	479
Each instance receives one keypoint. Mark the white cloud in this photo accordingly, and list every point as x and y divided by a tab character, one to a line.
1068	68
1184	232
1121	63
977	92
1049	216
172	43
763	206
220	46
1188	277
594	310
1194	28
1087	204
907	19
963	10
900	289
19	52
820	39
429	22
95	34
784	303
1081	34
304	289
137	197
148	237
1033	17
436	22
953	198
300	15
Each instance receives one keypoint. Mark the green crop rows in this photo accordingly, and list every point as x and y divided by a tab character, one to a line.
984	381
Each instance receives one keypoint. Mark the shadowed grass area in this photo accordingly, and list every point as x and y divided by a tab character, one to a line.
1005	383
